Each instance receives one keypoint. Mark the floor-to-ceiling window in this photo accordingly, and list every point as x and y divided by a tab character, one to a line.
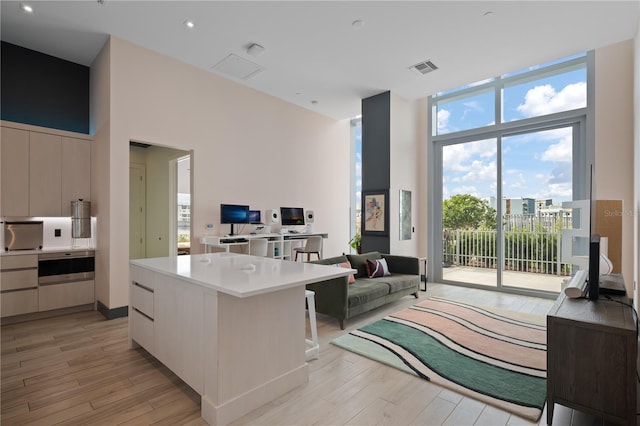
505	154
356	178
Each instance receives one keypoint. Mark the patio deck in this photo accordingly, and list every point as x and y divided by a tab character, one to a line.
487	277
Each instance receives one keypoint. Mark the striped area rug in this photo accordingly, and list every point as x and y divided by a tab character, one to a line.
495	356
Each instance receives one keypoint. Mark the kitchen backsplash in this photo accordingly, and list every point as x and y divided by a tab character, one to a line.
64	241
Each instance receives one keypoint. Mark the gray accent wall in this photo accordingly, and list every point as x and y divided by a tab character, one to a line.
376	168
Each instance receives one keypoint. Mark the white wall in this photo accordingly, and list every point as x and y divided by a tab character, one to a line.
248	147
614	124
404	166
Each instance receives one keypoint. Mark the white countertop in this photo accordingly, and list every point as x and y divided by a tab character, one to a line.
225	272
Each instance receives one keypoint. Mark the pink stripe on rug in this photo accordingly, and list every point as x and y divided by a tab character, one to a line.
474	341
534	335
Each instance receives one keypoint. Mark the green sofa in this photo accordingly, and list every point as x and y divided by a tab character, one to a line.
341	300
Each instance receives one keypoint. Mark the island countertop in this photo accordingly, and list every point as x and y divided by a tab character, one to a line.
241	275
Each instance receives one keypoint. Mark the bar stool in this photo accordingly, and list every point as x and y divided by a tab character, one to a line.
313	348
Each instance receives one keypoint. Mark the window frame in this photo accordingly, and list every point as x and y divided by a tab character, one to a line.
583	147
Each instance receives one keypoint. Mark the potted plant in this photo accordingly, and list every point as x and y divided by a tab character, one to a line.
355	242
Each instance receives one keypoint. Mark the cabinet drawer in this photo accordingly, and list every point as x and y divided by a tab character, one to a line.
142	330
20	261
58	296
17	279
142	299
19	302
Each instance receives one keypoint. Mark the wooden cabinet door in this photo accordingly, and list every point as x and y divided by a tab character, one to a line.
45	175
76	172
14	170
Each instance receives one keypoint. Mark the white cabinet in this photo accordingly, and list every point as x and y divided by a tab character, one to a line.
142	314
179	343
64	295
18	284
155	303
14	170
45	174
42	172
76	172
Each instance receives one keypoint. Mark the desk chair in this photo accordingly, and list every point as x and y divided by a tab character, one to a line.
313	245
258	247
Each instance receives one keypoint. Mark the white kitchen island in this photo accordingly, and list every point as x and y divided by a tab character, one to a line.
231	326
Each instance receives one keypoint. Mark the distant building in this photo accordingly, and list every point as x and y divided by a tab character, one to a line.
519	206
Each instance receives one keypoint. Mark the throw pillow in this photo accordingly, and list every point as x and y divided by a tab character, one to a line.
359	262
347	265
377	268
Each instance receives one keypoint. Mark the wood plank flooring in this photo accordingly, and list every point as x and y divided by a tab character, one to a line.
77	369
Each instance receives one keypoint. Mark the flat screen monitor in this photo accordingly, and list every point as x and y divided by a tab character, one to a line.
255	217
233	213
291	216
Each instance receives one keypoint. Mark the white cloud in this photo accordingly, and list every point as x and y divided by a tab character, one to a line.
544	99
559	152
443	121
456	157
481	172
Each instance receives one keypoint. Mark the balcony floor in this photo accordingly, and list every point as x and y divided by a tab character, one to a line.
487	277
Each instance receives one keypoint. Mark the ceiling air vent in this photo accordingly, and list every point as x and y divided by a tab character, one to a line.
235	66
424	67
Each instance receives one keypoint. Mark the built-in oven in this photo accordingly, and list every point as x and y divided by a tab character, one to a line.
66	267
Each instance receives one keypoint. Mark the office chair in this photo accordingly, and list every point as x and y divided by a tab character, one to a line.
258	247
313	245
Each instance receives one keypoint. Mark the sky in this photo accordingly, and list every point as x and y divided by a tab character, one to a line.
536	165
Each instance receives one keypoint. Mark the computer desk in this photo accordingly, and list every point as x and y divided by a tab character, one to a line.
279	246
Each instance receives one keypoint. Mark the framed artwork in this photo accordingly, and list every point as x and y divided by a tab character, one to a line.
376	212
405	214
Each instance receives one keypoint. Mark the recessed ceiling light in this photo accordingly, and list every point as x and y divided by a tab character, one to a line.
189	23
358	23
26	8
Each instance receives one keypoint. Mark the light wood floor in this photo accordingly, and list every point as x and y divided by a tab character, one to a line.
77	369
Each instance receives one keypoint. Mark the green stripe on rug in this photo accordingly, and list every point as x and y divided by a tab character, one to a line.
372	350
476	375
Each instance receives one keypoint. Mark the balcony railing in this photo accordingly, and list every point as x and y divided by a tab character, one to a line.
535	251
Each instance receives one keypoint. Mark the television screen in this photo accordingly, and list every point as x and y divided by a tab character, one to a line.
254	217
292	216
232	213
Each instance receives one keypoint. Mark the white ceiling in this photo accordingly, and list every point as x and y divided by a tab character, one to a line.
314	53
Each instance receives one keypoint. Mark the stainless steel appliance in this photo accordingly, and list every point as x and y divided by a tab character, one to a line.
23	235
66	267
80	219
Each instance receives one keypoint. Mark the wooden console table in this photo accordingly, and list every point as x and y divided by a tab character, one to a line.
591	357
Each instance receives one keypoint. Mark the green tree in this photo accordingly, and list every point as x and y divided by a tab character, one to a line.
464	211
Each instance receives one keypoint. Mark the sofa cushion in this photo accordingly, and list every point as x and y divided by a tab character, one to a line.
365	290
399	282
359	262
377	268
